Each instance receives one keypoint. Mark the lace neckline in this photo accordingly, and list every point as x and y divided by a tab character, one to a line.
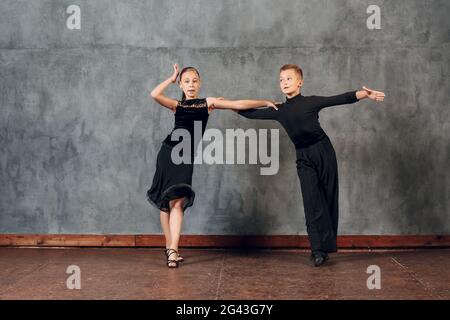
193	103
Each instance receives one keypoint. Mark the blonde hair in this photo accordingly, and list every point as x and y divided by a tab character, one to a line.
294	67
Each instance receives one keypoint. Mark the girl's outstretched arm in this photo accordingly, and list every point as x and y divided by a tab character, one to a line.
219	103
158	93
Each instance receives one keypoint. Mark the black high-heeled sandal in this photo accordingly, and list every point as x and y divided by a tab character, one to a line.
170	262
179	259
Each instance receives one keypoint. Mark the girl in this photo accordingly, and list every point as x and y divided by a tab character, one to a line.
171	191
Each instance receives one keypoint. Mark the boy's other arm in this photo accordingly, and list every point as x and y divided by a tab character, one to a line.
348	97
321	102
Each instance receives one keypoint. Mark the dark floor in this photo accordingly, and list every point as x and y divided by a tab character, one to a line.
130	273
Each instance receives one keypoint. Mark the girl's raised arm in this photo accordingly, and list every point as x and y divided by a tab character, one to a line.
158	93
219	103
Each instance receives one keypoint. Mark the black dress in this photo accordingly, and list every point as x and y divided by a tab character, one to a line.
171	180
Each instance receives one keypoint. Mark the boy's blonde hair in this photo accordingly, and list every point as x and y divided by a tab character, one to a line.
294	67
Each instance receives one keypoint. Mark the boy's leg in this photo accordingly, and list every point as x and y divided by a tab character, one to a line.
318	220
330	181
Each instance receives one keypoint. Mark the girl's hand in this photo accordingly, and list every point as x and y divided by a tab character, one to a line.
211	107
174	76
374	95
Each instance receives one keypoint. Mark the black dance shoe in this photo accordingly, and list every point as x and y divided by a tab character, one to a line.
319	258
179	259
172	263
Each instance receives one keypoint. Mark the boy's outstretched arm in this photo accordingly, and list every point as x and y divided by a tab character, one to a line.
321	102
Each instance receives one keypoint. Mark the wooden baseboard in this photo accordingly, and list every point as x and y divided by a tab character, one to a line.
221	241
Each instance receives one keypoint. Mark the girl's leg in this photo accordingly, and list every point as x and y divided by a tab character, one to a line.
175	222
164	217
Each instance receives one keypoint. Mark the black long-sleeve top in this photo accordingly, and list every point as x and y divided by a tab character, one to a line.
299	116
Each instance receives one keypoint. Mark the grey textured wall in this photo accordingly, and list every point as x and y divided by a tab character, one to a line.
79	134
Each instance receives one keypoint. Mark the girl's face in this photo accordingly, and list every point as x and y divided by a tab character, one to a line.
190	84
290	82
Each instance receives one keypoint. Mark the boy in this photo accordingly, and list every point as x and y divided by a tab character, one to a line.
316	158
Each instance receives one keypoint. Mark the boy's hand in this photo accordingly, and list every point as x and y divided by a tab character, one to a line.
212	107
219	98
272	104
374	95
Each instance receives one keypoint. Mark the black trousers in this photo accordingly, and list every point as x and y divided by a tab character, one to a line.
318	173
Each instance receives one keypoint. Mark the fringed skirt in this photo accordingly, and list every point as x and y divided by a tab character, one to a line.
171	181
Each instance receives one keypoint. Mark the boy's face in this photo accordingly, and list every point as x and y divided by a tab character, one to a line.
290	82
